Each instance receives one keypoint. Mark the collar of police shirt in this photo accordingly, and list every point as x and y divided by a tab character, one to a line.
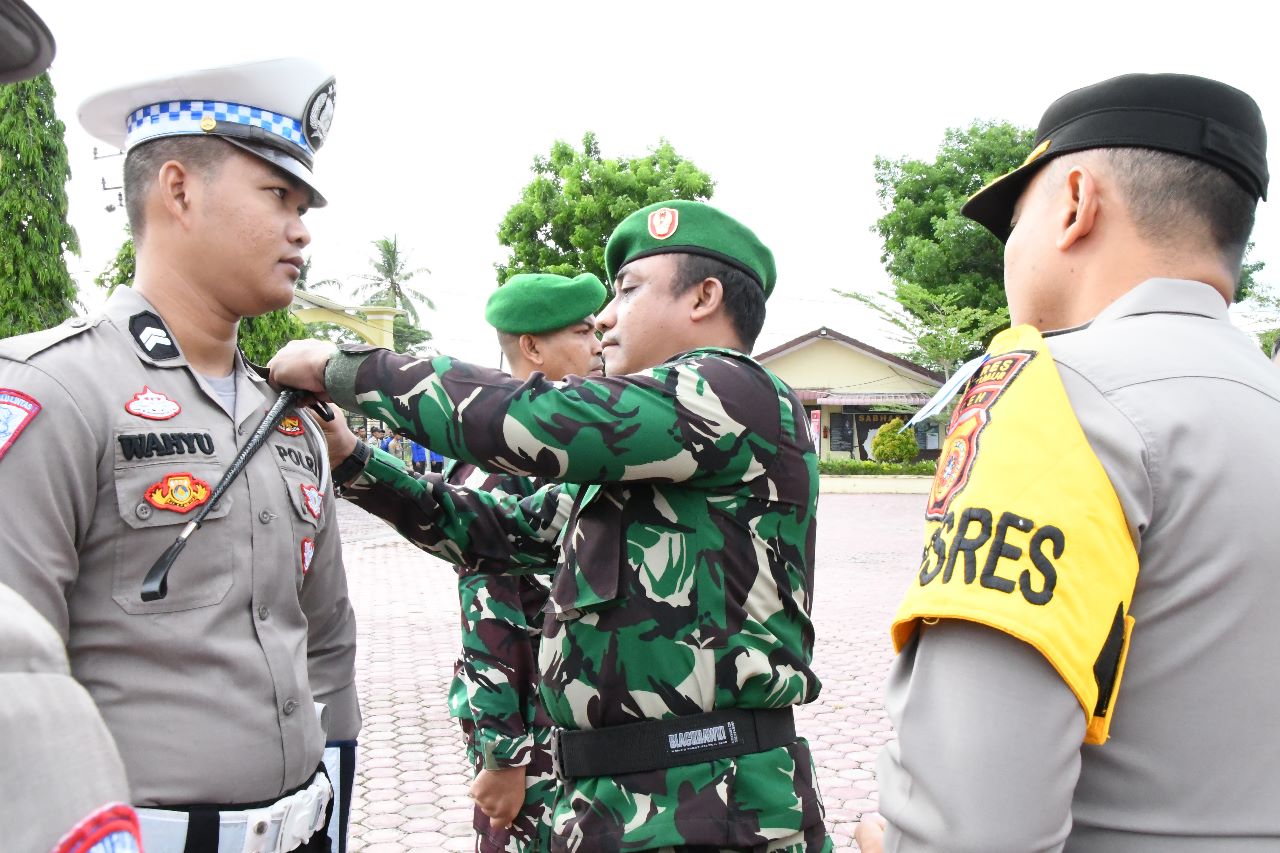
1161	296
125	303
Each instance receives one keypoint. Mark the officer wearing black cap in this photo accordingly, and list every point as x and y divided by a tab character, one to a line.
115	428
1088	650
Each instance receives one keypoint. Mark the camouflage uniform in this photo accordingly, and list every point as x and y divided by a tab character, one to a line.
683	521
493	693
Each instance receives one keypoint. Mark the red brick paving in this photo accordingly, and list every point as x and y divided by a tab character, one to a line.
411	788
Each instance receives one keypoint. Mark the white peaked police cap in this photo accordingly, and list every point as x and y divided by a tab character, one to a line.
280	110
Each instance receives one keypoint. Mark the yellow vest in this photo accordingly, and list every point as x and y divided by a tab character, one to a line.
1024	532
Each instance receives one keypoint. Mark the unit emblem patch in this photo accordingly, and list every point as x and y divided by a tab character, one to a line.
290	425
308	554
152	405
177	493
312	498
967	423
663	222
16	411
111	829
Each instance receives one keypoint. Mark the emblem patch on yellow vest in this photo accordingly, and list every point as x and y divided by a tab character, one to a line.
1024	532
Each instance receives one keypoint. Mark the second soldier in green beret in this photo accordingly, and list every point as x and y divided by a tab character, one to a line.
545	325
681	516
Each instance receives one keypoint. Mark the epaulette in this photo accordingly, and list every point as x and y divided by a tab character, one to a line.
23	347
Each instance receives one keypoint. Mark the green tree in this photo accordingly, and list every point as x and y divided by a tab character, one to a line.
122	268
892	444
934	327
388	284
259	337
38	291
925	239
1248	283
576	198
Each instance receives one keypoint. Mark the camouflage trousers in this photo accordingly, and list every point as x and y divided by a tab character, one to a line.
812	840
531	831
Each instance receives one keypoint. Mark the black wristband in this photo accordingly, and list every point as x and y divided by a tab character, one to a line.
353	466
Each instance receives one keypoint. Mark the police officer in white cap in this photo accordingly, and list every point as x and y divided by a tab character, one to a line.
221	694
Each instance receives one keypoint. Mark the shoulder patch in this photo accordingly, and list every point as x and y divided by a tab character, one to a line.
111	829
23	347
967	423
152	336
16	411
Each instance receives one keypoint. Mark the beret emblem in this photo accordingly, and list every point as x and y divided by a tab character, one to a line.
663	222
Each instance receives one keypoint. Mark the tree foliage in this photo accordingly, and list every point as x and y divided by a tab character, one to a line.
926	241
122	268
576	198
388	284
936	330
38	291
892	444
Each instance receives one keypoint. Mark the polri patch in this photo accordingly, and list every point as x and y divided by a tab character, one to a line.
308	554
181	492
312	497
16	411
663	222
967	423
290	425
152	336
152	405
111	829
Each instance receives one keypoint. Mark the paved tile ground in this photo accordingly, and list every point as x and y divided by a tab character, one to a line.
411	788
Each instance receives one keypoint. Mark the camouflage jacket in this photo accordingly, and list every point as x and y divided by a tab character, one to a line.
495	678
682	517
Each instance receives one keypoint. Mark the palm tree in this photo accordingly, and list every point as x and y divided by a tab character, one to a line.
388	283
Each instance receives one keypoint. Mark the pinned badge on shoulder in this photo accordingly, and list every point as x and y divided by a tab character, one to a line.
152	336
177	493
290	425
312	497
152	405
308	554
663	222
16	411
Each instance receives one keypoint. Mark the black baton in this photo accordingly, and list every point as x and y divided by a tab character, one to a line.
156	586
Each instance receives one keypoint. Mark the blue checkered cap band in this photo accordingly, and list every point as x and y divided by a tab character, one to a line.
174	118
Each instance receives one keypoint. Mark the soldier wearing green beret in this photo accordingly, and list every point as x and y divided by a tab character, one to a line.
680	513
545	325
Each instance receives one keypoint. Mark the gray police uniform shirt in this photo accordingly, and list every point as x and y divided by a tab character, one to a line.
60	764
208	692
1183	411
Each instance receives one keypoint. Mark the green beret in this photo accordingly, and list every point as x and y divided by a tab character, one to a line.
534	303
693	228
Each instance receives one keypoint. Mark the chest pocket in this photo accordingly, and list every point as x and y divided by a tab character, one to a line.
591	556
161	481
299	467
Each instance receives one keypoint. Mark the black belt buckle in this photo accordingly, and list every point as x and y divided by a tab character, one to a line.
557	747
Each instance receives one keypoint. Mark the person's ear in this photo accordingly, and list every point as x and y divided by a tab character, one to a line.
178	189
1081	203
530	350
708	299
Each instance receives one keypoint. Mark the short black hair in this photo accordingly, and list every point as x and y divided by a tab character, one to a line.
743	295
1172	196
203	154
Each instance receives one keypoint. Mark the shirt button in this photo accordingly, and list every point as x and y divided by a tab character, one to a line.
142	511
290	705
77	323
265	516
264	612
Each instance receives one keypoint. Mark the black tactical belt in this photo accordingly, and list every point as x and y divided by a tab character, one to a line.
674	742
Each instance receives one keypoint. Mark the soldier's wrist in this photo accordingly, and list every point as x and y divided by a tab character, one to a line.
353	465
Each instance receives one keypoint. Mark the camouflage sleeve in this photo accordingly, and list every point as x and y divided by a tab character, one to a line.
697	420
483	531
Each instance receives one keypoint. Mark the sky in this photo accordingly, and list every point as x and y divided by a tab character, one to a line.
442	107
